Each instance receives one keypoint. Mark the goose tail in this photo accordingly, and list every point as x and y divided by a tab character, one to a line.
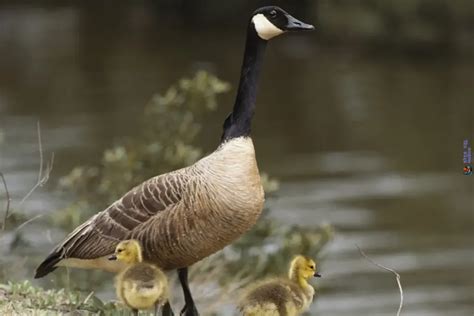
48	265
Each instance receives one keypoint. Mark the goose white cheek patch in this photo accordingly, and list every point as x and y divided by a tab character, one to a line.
265	29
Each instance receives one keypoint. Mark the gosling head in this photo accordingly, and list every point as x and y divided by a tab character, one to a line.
272	21
128	251
303	267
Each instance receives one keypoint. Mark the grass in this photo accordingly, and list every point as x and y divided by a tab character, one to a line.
25	299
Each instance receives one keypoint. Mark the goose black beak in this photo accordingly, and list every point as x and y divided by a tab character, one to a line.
296	25
317	275
112	257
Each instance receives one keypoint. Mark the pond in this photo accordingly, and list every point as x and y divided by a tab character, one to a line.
370	143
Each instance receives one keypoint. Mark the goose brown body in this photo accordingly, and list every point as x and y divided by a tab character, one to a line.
179	218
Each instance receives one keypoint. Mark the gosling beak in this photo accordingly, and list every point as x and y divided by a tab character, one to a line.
112	257
317	275
296	25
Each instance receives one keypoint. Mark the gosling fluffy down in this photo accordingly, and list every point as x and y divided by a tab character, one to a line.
140	285
282	296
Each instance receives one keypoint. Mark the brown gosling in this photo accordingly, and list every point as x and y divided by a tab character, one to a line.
282	296
140	285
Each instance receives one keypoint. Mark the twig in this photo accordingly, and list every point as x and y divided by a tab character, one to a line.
88	297
23	225
7	207
40	147
389	270
28	221
42	178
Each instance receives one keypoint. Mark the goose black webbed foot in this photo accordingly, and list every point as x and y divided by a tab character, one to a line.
189	310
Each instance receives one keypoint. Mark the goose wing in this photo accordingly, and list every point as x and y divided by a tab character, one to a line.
98	236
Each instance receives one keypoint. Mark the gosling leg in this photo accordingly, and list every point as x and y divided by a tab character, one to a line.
157	309
189	308
135	312
166	310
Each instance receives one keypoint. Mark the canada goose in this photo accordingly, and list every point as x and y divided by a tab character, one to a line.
140	285
184	216
283	296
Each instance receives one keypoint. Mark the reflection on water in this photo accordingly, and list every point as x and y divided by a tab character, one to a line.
370	144
393	218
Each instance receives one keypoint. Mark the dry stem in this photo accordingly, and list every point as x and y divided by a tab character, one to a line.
389	270
7	207
43	177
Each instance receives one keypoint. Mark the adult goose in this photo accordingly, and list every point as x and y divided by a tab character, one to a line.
186	215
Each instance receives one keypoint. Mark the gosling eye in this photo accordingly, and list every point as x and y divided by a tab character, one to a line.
311	267
119	250
273	14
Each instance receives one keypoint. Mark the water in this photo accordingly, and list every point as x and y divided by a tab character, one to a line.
367	142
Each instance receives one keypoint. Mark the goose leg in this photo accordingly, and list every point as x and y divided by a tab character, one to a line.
167	311
189	308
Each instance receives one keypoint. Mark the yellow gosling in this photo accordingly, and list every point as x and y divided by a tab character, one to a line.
282	296
139	285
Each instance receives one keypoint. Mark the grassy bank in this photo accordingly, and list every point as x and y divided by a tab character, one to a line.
25	299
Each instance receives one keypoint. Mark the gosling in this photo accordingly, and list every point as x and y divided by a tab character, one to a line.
282	296
139	285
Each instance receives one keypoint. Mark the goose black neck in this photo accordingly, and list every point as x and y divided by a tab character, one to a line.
238	123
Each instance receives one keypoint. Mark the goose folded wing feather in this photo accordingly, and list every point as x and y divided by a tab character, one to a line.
99	236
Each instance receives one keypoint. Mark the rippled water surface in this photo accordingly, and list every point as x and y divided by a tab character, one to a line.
370	144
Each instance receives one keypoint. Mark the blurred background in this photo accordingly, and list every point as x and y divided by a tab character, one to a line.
361	122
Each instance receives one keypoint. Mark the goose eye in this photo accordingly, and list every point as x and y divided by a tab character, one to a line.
273	14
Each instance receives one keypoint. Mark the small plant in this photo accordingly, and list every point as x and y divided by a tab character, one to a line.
166	141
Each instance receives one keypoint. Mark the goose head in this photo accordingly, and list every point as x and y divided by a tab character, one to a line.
303	267
272	21
128	252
